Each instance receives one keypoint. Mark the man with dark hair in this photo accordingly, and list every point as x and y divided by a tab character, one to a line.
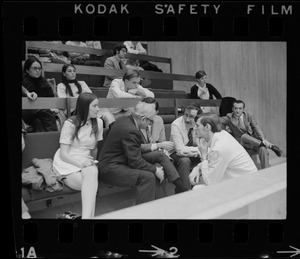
115	62
127	87
222	156
185	153
245	129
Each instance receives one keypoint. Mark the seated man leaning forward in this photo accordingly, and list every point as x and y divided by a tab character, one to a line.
127	87
222	155
186	153
120	160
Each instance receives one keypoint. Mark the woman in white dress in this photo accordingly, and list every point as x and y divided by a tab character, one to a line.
70	86
75	159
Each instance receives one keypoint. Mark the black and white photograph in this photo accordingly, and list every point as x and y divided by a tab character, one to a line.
151	129
235	160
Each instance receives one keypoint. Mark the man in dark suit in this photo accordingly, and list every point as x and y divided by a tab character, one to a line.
245	129
120	160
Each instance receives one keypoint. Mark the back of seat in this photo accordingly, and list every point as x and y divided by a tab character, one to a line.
39	145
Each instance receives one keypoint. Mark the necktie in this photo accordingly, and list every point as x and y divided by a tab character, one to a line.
190	136
241	123
120	64
149	135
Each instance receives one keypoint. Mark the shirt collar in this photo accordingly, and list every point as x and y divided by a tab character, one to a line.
199	86
237	118
135	122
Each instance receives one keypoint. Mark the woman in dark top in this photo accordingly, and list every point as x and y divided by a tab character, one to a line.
203	90
33	86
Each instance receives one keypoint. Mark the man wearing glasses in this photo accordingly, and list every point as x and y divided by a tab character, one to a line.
120	160
185	153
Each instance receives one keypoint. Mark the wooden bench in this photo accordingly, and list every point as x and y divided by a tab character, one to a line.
53	68
260	195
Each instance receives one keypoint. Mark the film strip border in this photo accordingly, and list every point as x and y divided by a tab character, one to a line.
232	21
153	20
193	239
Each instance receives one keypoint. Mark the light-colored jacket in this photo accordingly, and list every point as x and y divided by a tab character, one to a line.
179	135
112	63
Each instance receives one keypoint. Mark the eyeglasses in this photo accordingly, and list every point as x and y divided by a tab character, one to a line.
36	68
151	121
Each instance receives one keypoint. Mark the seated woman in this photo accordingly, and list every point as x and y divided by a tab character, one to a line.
75	159
70	86
35	85
203	90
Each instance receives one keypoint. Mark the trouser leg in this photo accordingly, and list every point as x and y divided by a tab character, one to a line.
183	165
145	188
250	142
263	157
123	175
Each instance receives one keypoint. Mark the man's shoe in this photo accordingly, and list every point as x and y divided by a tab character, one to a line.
277	150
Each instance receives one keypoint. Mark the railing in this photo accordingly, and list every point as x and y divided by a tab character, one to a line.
181	103
101	71
70	103
260	195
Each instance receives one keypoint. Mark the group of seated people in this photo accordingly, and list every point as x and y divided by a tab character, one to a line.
200	152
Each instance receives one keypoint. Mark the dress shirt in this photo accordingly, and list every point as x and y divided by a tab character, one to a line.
179	135
117	90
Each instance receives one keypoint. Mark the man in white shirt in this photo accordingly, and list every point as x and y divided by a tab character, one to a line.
185	153
127	87
222	156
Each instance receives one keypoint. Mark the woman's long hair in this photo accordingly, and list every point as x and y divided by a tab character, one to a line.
82	110
66	82
31	83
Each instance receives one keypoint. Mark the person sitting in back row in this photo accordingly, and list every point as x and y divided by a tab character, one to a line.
135	47
81	58
34	85
203	90
115	62
70	86
127	87
246	131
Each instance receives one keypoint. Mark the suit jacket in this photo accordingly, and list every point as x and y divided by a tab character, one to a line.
211	89
112	63
123	146
251	125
